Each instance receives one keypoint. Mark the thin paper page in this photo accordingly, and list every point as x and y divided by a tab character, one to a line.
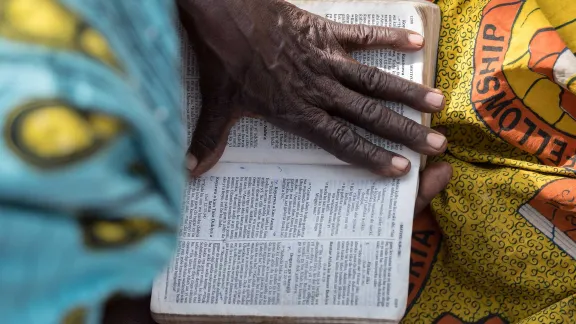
257	141
291	240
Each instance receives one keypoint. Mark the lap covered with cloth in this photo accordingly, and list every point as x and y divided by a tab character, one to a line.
499	245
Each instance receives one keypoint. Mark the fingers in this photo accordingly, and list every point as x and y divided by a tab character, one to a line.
210	137
356	37
341	141
376	83
432	181
375	117
191	162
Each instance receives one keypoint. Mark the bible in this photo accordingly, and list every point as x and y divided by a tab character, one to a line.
280	231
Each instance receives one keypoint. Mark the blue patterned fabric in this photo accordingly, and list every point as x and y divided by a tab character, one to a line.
92	158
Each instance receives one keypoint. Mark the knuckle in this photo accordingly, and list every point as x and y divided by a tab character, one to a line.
413	132
386	118
375	155
369	110
374	79
408	92
395	37
405	87
366	34
398	88
203	144
388	34
341	133
343	139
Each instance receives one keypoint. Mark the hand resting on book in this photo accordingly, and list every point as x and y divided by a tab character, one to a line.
269	59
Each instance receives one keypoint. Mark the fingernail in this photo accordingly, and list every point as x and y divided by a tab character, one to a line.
436	141
434	99
416	39
191	162
400	163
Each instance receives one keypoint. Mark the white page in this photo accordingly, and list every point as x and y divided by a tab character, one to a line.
333	237
242	221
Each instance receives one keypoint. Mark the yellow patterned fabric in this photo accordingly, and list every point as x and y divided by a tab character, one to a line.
499	244
51	24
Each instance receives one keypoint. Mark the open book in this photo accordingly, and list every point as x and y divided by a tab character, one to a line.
282	232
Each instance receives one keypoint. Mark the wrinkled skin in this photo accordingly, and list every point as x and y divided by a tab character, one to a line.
272	60
268	59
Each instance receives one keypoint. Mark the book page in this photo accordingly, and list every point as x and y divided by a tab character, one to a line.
271	232
253	140
291	240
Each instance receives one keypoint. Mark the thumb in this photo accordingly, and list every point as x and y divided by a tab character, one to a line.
432	181
210	137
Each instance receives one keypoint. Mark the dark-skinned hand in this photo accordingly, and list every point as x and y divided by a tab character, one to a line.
272	60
